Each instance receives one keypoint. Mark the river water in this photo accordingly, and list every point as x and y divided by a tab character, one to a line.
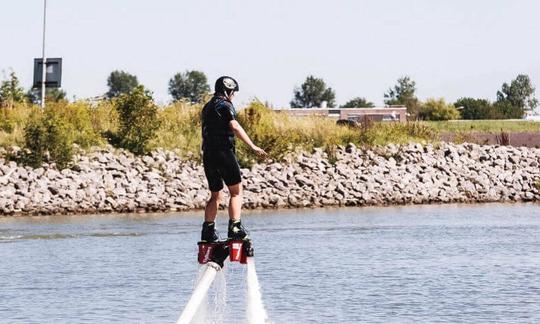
414	264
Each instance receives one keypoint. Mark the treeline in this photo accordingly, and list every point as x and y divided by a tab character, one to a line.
190	86
513	101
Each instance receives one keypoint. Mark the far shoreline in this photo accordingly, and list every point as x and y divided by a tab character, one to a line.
222	214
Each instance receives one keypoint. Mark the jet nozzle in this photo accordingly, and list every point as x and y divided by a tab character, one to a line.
248	249
220	254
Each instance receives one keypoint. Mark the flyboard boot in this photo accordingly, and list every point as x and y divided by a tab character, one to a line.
240	247
211	249
208	233
237	247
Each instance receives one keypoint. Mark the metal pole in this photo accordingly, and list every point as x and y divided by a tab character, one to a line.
44	66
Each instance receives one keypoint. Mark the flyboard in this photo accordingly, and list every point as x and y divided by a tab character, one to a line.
212	256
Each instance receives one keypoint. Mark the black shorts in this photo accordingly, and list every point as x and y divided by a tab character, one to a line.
221	166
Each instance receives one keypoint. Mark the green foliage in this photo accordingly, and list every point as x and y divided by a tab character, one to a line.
104	118
267	131
138	120
520	94
358	102
51	95
78	118
280	134
11	92
120	82
471	108
404	93
180	129
483	109
48	132
35	139
505	109
7	122
312	93
437	109
191	85
12	123
397	133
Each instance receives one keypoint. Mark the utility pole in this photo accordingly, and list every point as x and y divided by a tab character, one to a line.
44	66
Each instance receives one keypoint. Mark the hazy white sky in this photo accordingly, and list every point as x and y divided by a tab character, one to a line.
452	48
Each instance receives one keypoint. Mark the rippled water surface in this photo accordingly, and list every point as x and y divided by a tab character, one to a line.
428	264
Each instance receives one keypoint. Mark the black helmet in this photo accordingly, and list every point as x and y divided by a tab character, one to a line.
226	84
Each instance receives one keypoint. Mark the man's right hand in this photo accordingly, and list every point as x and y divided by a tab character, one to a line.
260	152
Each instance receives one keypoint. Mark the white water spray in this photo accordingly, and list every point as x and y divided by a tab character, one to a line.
256	314
199	293
197	310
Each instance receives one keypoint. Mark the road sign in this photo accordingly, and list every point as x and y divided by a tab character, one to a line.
53	78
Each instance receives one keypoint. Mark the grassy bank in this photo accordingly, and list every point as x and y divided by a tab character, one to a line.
487	126
91	124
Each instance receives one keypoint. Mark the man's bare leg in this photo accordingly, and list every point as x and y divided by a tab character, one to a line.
210	212
235	202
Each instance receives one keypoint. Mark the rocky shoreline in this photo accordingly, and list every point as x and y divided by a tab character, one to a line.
107	180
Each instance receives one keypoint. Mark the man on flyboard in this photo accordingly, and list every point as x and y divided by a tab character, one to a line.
219	127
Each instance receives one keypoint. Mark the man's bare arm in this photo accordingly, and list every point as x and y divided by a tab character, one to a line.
239	131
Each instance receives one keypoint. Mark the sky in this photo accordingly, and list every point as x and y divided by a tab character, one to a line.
451	48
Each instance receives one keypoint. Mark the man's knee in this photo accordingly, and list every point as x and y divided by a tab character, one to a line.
215	197
235	190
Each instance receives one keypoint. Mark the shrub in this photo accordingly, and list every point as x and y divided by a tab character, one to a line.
77	118
472	108
48	132
7	123
11	93
180	128
279	134
434	109
104	119
138	120
503	138
12	123
267	130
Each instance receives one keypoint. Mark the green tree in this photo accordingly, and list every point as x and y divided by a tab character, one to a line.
520	93
138	119
191	85
51	95
471	108
358	102
437	109
505	109
11	92
312	93
120	82
404	93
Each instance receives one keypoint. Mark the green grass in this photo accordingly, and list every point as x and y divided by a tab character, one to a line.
489	126
279	134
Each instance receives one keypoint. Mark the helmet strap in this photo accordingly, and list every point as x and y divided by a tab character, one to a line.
228	95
